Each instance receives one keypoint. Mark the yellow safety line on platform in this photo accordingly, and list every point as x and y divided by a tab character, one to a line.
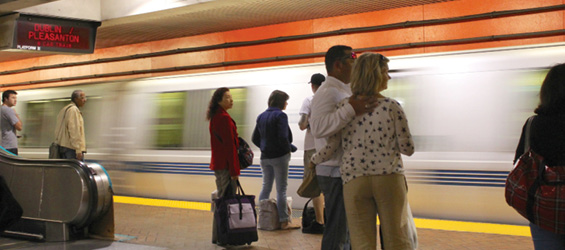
473	227
470	227
163	203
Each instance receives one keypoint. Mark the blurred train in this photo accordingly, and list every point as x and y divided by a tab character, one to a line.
465	110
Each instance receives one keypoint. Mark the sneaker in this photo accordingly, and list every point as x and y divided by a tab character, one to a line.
314	228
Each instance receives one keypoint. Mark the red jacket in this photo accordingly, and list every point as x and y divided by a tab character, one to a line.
223	138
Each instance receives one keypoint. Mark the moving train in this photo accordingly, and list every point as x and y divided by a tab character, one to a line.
465	110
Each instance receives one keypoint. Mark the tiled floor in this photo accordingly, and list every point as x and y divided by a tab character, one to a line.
176	228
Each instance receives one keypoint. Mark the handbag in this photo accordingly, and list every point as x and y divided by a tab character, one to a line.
54	148
245	154
309	187
536	190
308	220
236	218
54	151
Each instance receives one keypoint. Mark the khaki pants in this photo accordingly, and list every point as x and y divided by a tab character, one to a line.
385	195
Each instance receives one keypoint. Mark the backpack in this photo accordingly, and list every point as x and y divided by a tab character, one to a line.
245	154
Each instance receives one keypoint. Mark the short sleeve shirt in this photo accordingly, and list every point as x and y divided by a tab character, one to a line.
305	110
7	121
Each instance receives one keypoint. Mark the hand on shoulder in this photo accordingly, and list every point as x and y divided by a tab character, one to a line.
363	104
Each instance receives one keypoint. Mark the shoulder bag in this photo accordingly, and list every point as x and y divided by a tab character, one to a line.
54	150
309	187
537	191
245	154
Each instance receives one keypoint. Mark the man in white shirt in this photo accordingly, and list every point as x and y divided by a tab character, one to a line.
317	226
326	120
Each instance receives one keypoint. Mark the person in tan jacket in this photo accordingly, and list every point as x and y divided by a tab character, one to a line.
69	132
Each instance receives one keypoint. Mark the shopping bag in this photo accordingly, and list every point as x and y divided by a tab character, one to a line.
268	215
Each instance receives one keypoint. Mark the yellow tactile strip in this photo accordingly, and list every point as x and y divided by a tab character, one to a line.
473	227
163	203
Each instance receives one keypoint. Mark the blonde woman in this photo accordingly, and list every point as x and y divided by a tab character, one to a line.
372	171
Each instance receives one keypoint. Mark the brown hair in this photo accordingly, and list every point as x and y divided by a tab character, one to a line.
278	99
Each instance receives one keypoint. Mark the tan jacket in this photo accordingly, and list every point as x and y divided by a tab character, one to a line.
72	133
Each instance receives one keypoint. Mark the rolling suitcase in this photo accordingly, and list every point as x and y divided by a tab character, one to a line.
236	219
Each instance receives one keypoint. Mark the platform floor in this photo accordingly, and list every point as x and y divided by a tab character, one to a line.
158	227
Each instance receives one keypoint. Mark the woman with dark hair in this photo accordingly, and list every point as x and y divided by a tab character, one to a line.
547	138
224	142
273	136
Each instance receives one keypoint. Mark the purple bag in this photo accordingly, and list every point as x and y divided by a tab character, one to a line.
236	218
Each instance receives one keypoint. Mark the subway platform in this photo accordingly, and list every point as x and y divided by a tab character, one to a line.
152	224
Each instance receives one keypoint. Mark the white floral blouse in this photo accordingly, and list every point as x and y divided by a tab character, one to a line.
372	143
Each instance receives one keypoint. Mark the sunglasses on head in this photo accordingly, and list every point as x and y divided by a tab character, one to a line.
352	56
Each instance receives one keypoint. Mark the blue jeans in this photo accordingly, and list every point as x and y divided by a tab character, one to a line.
336	233
546	240
276	169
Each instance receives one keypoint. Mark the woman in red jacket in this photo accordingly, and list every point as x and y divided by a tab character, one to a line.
224	142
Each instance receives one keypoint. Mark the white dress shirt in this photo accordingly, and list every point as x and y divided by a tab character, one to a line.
326	120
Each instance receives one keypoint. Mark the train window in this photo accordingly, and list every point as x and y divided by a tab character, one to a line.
41	118
169	120
238	113
180	119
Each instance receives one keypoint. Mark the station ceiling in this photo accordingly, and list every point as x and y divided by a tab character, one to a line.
212	16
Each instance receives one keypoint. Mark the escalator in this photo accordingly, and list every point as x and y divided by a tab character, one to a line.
61	199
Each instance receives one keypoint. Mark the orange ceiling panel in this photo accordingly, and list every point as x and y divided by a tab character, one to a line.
494	44
276	63
470	7
270	31
269	50
187	42
369	19
186	59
